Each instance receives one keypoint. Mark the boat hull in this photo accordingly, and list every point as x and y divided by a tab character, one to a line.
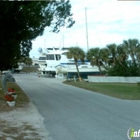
83	75
84	71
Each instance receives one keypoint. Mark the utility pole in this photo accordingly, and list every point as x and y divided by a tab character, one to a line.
86	28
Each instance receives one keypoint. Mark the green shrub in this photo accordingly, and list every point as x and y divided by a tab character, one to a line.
138	83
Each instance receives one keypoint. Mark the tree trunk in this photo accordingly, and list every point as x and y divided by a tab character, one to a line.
78	70
100	69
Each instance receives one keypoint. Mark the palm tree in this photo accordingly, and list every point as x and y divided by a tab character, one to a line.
94	56
76	53
104	55
122	55
138	56
112	48
132	47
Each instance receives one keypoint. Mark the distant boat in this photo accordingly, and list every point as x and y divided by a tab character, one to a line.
20	67
42	63
14	70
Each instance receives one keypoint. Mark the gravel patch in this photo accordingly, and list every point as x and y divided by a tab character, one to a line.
23	124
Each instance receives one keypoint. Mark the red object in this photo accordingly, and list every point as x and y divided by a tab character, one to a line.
9	97
11	90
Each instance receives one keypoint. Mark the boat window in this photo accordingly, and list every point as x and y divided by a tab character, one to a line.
50	57
64	48
58	57
56	48
42	58
70	63
49	48
84	66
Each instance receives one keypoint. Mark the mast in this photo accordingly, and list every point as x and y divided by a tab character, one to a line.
44	43
63	41
86	28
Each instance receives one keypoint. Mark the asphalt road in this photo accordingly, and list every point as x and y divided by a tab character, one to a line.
72	113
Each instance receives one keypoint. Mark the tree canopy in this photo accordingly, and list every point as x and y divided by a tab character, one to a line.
78	54
94	55
118	60
21	22
28	61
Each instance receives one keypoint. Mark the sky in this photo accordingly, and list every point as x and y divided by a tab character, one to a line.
108	21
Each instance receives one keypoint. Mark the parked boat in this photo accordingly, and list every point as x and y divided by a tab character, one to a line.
42	63
55	62
71	71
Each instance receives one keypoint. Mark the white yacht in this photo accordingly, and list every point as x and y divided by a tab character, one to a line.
70	70
55	58
55	62
42	63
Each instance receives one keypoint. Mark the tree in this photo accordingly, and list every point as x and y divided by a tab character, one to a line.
132	47
118	60
21	22
95	58
104	55
112	48
124	58
28	61
76	53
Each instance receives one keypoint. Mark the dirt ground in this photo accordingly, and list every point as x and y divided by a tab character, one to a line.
22	124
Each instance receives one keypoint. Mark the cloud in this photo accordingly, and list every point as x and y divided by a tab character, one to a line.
109	21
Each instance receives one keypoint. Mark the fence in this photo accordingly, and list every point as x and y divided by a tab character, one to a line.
113	79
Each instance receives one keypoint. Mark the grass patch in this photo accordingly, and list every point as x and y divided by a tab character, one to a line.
21	101
117	90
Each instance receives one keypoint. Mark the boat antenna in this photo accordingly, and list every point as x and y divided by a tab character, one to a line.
63	41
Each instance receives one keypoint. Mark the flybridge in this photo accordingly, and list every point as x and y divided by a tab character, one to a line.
55	49
42	58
